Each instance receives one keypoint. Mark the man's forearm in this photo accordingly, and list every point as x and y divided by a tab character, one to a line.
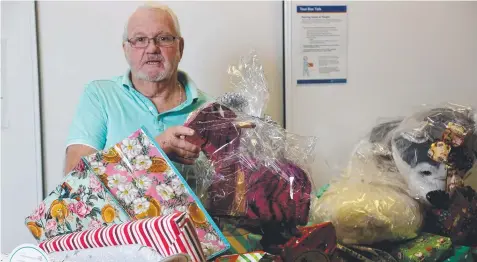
74	153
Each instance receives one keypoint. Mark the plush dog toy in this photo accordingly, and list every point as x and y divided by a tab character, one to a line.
435	149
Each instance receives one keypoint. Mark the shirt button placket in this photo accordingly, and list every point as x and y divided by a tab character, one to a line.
159	124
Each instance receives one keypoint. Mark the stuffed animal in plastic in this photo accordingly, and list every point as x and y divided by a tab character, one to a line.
435	149
384	192
253	173
244	187
270	195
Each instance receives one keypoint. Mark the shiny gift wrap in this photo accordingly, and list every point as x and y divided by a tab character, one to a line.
316	242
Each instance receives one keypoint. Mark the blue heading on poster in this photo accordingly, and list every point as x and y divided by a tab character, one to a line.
322	81
321	9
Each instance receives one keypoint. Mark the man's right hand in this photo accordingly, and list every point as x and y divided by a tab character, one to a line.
172	142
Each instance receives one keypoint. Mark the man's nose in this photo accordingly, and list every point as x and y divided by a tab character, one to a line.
152	47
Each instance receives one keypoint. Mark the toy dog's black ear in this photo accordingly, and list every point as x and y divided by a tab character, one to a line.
381	132
381	136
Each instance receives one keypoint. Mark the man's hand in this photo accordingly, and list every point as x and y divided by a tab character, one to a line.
173	143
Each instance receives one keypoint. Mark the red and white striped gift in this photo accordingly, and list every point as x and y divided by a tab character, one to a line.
168	235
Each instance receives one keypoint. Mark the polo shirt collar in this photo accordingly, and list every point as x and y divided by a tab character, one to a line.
189	85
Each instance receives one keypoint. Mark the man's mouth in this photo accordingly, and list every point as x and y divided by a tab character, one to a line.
154	62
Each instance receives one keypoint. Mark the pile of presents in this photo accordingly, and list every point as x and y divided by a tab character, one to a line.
132	194
250	197
245	199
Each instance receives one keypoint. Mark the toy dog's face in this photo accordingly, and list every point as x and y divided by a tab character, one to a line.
423	150
422	173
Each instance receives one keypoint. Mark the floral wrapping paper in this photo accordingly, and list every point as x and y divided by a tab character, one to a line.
426	247
80	203
147	184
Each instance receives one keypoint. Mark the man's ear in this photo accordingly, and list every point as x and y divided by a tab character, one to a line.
181	46
125	50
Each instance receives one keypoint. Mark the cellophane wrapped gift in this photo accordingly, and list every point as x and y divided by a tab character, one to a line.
369	202
79	203
254	170
168	235
146	183
435	148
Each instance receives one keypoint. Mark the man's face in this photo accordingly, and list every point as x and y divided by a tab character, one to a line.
152	63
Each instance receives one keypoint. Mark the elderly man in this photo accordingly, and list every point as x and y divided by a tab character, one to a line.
153	93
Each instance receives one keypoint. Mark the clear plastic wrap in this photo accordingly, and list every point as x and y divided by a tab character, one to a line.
250	91
254	169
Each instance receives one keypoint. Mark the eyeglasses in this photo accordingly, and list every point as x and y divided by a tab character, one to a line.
162	40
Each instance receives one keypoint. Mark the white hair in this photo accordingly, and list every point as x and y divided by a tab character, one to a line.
156	7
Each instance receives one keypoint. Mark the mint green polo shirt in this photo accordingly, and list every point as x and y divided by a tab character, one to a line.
111	110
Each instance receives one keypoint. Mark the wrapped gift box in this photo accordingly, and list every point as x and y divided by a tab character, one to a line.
146	184
132	180
426	247
81	202
168	235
